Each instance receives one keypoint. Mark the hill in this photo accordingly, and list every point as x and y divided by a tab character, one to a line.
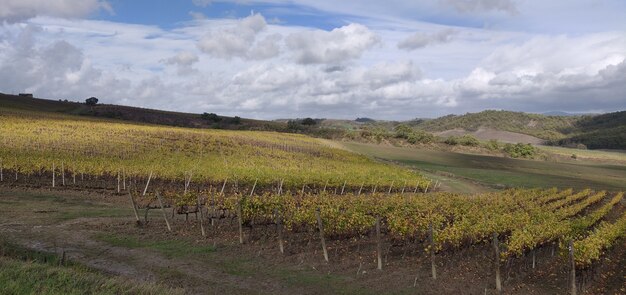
34	142
605	131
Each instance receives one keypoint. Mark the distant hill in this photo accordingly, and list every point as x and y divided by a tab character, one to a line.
540	126
605	131
140	115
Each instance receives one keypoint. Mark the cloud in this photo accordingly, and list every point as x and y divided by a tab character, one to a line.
183	61
336	46
197	15
238	40
18	10
421	40
201	3
467	6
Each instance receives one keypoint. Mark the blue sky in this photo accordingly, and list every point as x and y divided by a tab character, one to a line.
333	59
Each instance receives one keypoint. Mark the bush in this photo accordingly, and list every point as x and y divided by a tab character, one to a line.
211	117
493	144
308	122
420	137
469	140
92	101
520	150
452	140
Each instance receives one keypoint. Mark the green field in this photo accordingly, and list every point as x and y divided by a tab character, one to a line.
497	172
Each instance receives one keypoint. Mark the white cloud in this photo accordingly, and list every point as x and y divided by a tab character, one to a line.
183	61
339	45
18	10
201	3
421	40
238	40
465	6
197	15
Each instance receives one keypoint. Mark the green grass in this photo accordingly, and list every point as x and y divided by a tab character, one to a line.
616	155
23	271
169	248
502	172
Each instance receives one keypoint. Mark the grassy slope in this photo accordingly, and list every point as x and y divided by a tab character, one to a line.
24	271
497	171
33	140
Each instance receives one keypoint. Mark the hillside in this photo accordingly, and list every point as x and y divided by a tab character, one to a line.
34	142
135	114
605	131
541	126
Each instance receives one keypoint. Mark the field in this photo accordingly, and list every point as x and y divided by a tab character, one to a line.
222	211
499	172
37	144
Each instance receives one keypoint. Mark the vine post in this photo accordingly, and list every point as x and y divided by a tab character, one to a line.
431	240
378	244
572	268
321	229
496	249
169	228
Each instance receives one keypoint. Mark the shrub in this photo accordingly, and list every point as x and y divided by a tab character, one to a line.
92	101
469	140
520	150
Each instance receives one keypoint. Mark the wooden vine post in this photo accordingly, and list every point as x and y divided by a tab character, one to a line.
417	185
342	188
403	186
321	228
169	228
118	181
240	221
496	249
53	175
132	201
201	217
1	175
279	229
147	183
573	267
379	244
431	240
62	173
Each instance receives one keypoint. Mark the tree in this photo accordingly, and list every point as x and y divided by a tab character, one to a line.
309	122
211	117
92	101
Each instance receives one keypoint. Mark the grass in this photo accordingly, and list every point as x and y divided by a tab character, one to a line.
23	271
616	155
169	248
502	172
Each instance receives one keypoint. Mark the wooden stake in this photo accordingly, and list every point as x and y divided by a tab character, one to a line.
147	183
417	185
62	173
123	179
132	201
496	250
534	259
53	174
303	190
240	221
378	244
223	186
403	186
361	188
431	240
73	175
343	187
169	228
201	216
253	187
280	187
573	267
1	175
426	189
321	228
118	181
279	228
390	187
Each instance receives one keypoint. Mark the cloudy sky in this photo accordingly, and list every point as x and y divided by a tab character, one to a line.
393	59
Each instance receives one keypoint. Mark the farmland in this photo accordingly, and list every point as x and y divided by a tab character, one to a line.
234	203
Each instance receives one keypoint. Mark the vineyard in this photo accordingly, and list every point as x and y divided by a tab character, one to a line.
37	144
295	190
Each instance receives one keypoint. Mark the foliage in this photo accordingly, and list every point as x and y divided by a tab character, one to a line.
92	101
33	141
520	150
211	117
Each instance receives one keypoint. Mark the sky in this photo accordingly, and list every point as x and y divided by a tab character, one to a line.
270	59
